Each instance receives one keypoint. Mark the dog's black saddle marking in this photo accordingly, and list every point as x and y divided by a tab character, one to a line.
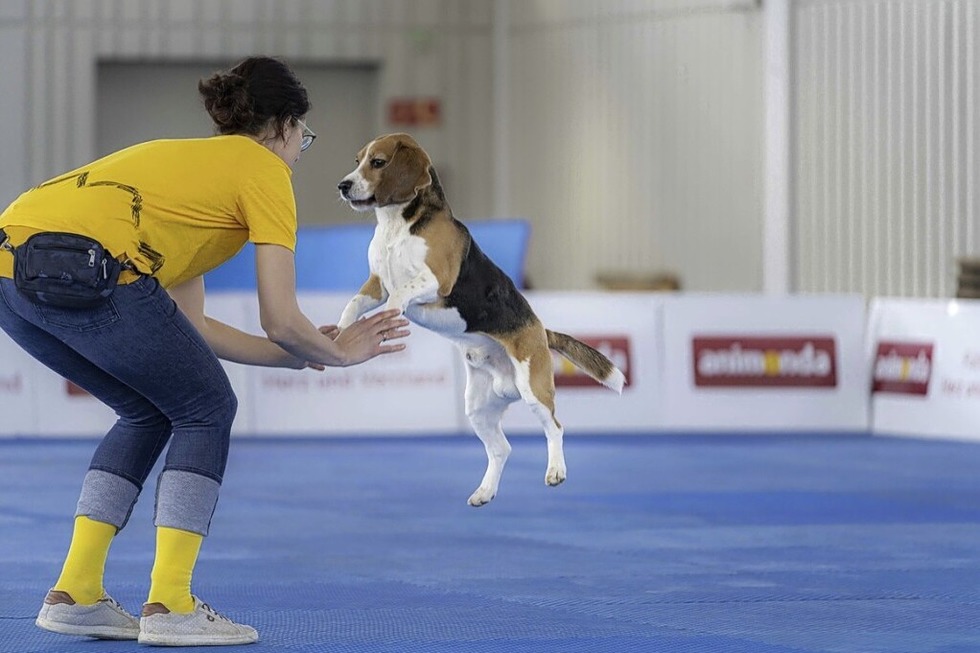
485	297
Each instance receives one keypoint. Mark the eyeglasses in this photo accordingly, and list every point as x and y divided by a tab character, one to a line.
308	136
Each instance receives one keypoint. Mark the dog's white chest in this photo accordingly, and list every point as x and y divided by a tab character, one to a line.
395	255
398	259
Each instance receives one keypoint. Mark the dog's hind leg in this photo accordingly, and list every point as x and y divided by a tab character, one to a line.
535	379
485	408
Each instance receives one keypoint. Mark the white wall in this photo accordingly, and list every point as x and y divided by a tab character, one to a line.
50	50
635	139
633	130
147	100
885	154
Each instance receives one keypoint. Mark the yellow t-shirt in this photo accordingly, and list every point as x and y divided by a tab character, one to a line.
174	208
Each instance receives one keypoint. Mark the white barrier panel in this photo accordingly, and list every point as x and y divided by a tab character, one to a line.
925	356
693	362
414	392
237	309
761	362
64	409
409	393
36	401
17	391
621	325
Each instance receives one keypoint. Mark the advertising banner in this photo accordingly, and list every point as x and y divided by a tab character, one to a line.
623	326
759	362
925	360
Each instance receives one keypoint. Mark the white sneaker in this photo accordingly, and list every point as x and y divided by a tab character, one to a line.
200	627
104	619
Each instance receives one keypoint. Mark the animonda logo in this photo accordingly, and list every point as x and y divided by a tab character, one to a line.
903	367
764	361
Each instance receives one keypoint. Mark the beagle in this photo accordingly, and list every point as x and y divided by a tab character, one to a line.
424	262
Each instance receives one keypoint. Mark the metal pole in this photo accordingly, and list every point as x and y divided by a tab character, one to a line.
776	231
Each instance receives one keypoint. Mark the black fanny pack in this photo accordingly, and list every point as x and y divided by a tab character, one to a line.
62	269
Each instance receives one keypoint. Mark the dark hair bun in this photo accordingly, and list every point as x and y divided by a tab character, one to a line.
227	101
257	93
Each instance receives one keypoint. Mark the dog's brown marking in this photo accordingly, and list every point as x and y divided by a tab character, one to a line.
428	211
406	169
428	204
447	247
372	288
530	343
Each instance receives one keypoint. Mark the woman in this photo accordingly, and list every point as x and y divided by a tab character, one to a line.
166	212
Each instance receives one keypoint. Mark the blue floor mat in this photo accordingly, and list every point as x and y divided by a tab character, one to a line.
754	544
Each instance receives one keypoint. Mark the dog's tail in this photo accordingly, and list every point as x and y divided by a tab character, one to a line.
589	360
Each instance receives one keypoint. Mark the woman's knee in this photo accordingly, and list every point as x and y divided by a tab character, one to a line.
143	416
218	407
200	446
227	409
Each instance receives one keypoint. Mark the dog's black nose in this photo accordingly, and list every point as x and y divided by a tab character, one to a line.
344	186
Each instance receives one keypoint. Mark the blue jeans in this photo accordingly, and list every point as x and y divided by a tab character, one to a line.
139	355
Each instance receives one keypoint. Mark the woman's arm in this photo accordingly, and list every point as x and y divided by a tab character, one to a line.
286	325
228	342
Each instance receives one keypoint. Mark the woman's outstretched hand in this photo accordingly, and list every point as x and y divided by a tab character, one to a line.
370	336
331	331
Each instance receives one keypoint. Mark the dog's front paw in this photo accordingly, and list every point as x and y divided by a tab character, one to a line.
395	306
347	318
555	475
481	497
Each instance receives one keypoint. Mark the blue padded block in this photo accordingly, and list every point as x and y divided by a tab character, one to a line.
505	241
237	273
334	258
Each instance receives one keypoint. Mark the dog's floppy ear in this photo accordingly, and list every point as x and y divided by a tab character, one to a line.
407	173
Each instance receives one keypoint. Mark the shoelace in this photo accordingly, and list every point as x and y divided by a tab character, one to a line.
111	601
207	608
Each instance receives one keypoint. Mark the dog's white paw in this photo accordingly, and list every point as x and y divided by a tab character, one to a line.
481	497
347	318
555	475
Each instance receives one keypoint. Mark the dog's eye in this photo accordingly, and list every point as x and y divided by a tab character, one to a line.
378	163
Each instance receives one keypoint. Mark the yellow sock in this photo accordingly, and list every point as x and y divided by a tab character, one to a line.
81	576
170	580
